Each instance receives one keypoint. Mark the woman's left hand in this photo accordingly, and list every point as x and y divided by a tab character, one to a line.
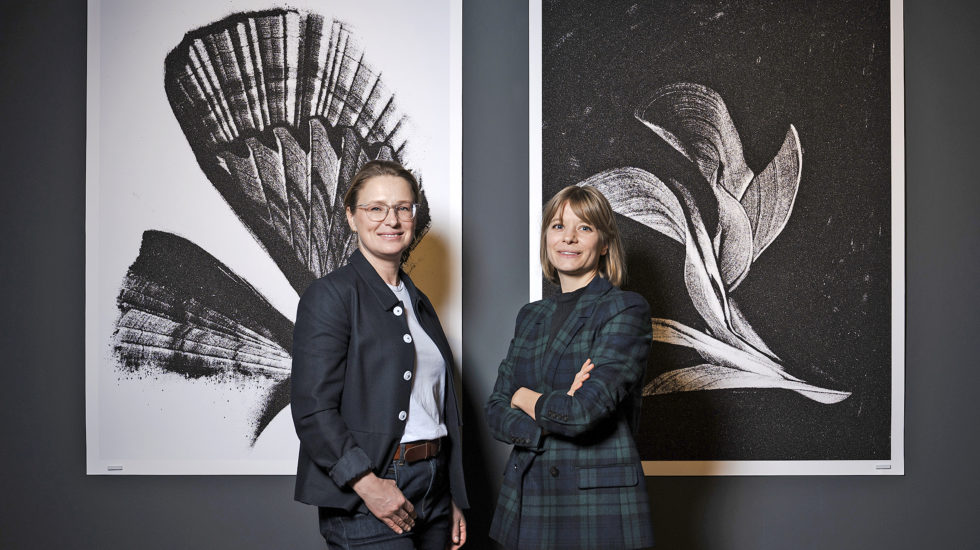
581	376
459	528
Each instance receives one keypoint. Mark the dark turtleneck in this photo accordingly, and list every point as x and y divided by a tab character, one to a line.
565	303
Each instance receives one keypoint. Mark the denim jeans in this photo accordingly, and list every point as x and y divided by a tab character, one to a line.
426	485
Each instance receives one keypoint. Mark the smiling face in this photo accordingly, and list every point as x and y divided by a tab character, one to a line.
574	249
386	240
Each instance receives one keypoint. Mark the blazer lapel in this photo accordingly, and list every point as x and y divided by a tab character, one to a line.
542	327
571	327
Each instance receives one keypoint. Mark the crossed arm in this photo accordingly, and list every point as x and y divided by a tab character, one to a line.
521	415
525	398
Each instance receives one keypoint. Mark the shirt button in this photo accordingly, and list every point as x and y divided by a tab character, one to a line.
407	375
402	415
397	310
407	338
554	471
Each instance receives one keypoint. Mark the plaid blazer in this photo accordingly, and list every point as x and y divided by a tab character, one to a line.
574	478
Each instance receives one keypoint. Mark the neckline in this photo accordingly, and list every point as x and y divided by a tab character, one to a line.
397	288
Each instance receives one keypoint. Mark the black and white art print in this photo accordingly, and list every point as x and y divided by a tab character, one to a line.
753	153
221	139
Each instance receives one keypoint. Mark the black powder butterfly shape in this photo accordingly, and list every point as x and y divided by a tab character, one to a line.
280	110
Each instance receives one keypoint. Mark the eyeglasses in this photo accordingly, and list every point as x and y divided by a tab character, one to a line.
378	212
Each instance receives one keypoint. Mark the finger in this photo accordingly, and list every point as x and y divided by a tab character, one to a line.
392	525
405	519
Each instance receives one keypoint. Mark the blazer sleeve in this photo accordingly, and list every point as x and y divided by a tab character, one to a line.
507	424
619	353
320	342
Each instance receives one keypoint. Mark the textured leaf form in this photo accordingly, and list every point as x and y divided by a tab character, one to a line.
750	211
281	110
641	196
648	200
184	312
728	368
695	121
768	201
713	377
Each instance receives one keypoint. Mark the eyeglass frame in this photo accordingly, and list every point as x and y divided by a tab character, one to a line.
388	207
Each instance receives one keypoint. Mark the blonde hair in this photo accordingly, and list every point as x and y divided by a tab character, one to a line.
590	206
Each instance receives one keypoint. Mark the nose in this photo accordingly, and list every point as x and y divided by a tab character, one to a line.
391	218
568	235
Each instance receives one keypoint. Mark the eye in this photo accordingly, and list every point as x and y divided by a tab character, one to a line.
403	208
585	228
557	226
375	208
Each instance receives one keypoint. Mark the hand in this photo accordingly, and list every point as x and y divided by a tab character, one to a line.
459	529
383	498
525	399
581	376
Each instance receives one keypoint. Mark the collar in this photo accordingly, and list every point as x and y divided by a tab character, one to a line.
586	304
596	288
386	298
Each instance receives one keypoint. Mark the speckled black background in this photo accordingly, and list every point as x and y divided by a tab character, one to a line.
820	295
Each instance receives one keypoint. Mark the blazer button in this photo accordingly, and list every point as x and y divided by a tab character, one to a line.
402	415
407	375
407	338
397	310
554	471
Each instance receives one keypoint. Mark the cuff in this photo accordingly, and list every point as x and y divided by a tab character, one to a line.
525	433
551	409
351	465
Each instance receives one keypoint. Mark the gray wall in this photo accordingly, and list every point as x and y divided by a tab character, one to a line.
48	501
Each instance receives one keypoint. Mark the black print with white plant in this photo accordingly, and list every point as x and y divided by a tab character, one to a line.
747	210
745	146
280	109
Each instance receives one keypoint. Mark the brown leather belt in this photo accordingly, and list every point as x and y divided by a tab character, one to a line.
417	450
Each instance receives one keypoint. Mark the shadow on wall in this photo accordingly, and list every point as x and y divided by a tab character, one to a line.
428	266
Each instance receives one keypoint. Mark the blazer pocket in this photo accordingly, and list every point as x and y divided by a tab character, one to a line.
614	475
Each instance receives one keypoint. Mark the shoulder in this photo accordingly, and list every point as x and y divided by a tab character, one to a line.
531	313
535	310
616	301
331	286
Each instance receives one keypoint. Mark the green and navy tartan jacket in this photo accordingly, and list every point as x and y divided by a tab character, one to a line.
574	478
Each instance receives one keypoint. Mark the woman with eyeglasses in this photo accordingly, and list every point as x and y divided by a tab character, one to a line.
372	393
567	395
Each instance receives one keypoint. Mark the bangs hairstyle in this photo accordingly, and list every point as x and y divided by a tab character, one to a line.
377	168
591	207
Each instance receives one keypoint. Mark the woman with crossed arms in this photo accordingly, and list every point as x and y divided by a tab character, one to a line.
568	394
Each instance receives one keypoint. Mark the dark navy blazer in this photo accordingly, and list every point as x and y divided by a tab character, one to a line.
350	388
